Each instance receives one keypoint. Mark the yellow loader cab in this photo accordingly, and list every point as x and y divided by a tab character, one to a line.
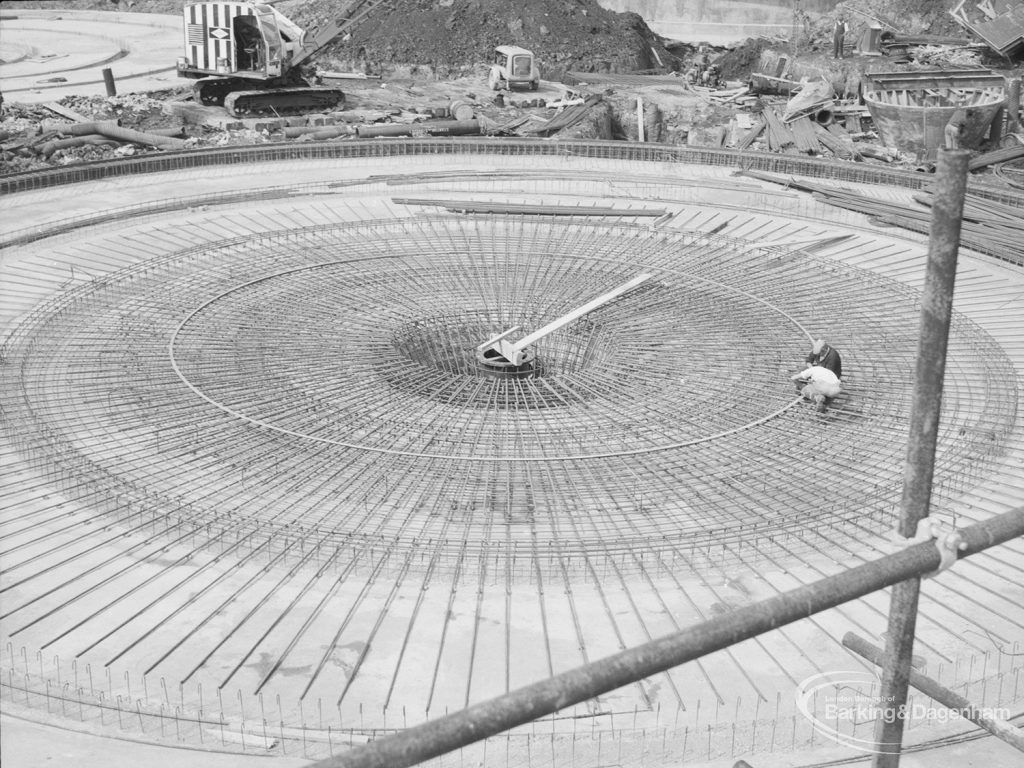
513	67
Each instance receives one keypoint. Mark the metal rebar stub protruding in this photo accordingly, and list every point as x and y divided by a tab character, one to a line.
499	355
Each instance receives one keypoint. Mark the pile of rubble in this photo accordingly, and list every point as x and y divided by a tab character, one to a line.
80	129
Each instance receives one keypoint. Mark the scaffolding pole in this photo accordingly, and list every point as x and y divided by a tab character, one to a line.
479	721
936	312
940	693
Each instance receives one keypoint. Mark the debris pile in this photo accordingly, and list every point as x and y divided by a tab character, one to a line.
82	129
766	95
1000	23
946	56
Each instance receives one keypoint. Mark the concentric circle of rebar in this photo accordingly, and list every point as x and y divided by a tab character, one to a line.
258	487
324	386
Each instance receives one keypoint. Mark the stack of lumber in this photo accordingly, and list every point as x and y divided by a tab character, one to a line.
804	135
779	134
568	117
728	95
751	136
996	156
837	141
988	226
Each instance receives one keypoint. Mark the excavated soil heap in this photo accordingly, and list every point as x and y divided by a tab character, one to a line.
452	35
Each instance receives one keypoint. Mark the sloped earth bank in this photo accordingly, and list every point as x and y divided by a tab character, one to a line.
449	36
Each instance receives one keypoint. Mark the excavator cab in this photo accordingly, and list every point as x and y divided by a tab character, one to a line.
247	40
272	39
249	57
250	49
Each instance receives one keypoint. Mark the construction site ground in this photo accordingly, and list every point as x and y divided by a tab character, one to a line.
54	58
140	48
708	198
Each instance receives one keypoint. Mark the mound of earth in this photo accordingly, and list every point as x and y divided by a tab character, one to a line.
454	35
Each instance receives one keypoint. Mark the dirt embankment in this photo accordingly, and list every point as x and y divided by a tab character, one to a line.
449	36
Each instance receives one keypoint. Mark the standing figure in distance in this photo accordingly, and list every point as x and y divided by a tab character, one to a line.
838	38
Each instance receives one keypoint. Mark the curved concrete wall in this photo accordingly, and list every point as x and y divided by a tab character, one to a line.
718	21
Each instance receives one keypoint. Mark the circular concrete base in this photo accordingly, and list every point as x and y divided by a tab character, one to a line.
179	547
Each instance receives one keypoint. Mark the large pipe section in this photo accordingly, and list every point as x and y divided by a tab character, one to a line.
434	128
475	723
319	131
77	129
50	147
138	137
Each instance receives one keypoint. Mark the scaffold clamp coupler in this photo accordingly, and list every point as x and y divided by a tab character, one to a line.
948	542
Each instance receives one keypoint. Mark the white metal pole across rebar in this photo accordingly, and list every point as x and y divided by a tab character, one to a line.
513	352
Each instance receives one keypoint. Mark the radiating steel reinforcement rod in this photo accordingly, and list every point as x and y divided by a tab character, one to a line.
940	693
487	718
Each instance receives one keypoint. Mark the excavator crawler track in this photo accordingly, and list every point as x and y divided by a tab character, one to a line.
283	101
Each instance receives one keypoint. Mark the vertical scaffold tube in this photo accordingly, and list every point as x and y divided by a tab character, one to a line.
936	313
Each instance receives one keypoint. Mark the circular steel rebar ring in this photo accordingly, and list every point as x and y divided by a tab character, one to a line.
325	386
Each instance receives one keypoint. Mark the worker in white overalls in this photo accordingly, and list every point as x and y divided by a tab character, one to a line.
818	384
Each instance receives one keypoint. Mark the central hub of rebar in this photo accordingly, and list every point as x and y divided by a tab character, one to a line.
493	363
505	357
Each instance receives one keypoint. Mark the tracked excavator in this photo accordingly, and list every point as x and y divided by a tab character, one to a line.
252	60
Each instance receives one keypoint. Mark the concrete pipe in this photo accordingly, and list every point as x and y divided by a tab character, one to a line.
461	110
293	132
76	129
435	128
388	129
824	117
331	132
452	128
75	141
174	133
138	137
315	130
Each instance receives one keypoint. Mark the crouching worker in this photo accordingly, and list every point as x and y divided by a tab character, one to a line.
826	356
817	384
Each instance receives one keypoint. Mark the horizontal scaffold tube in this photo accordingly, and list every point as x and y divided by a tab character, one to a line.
940	693
475	723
